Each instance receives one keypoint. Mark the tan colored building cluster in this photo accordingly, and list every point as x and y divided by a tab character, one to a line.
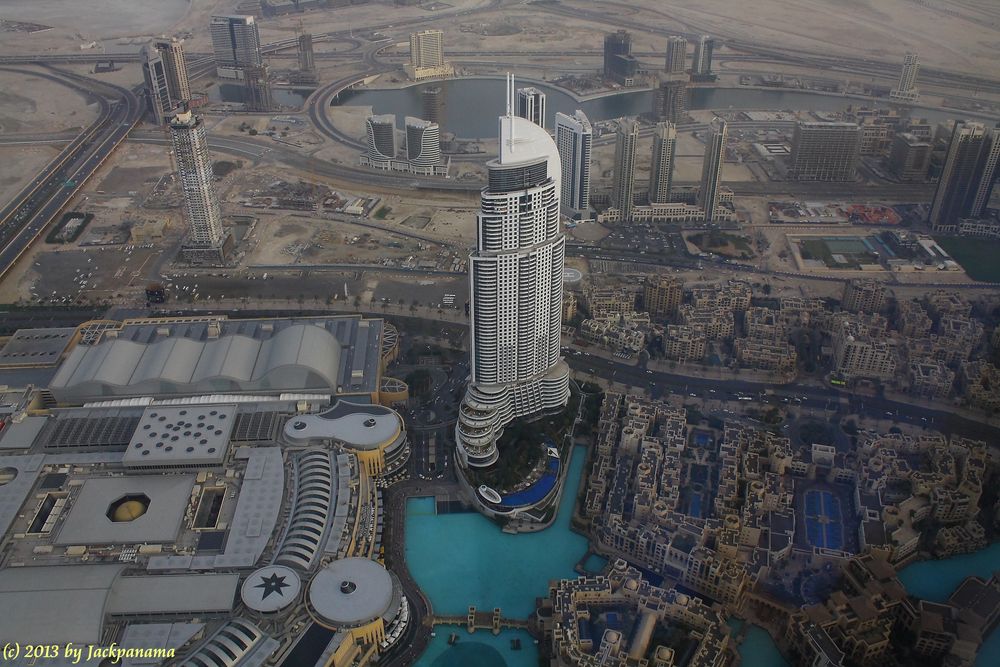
573	604
860	623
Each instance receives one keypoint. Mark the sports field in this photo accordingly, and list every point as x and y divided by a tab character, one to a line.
839	252
977	256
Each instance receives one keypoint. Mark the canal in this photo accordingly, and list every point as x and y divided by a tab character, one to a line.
935	580
471	105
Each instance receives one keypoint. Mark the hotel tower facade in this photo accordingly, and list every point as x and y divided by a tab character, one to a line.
516	275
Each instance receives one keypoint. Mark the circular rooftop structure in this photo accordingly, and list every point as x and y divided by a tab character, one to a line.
271	588
351	592
362	427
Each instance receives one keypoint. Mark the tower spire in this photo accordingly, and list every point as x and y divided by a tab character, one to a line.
510	84
510	113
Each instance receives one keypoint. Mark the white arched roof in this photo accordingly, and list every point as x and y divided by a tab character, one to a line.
299	356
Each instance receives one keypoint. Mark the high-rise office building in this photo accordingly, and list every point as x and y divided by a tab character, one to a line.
910	157
825	152
616	44
670	100
433	103
531	105
157	90
236	44
676	57
626	142
574	140
701	59
381	143
175	67
257	89
194	170
423	142
906	89
516	286
427	55
968	174
988	173
620	65
307	59
427	48
661	171
711	169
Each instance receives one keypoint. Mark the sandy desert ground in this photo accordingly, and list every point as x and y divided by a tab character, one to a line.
962	35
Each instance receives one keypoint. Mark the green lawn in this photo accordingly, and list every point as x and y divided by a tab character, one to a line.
853	252
977	256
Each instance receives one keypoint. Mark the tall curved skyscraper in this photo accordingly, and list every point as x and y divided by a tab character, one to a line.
423	142
516	275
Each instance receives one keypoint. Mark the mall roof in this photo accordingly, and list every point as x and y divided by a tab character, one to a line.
55	604
22	434
351	591
154	636
181	436
356	425
67	603
88	522
270	588
36	347
173	594
204	355
15	492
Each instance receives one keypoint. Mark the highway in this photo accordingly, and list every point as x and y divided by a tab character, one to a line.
20	205
84	153
261	149
82	158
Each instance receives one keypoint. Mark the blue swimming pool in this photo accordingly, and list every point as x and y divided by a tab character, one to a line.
536	491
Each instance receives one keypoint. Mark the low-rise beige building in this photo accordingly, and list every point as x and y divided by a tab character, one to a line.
765	354
684	343
662	295
929	379
859	354
718	324
863	296
981	385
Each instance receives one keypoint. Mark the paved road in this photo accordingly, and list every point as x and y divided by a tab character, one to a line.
688	263
74	170
20	204
813	397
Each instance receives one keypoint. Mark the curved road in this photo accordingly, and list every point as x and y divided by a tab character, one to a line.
75	166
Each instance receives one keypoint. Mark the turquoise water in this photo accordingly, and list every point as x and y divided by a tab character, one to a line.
481	649
935	580
757	648
595	564
464	559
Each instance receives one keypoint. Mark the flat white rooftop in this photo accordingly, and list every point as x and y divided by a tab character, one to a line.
184	435
88	522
